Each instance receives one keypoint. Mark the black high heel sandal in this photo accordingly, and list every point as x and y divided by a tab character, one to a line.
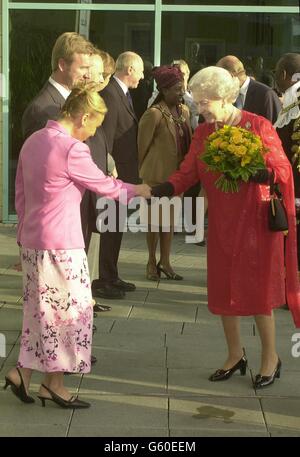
72	403
222	375
20	390
169	275
264	381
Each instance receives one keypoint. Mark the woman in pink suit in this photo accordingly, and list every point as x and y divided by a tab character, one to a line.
55	167
248	272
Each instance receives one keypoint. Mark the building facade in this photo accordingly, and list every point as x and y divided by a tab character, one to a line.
257	31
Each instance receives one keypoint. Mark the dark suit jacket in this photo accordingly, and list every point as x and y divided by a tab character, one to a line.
45	106
262	100
120	126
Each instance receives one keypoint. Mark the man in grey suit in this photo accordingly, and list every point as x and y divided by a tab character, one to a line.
70	62
120	126
254	96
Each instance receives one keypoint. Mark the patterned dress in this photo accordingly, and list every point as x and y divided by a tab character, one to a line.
58	313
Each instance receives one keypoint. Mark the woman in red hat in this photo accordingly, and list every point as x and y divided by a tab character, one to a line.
164	137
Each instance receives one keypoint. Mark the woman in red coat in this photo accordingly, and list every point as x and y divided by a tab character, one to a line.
248	272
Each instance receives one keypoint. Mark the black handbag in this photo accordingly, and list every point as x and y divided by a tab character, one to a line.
277	216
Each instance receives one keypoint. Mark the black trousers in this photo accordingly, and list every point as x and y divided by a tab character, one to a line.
110	245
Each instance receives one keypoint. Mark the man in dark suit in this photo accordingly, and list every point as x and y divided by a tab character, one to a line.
70	62
254	96
287	75
120	126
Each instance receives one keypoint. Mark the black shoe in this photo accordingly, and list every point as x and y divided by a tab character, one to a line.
20	390
264	381
100	308
168	274
72	403
93	359
201	243
109	292
222	375
122	285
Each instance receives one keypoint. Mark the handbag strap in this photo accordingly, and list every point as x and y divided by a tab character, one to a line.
274	190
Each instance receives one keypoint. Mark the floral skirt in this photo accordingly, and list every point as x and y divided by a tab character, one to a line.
57	311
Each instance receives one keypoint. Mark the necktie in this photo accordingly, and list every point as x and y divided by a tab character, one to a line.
239	103
129	99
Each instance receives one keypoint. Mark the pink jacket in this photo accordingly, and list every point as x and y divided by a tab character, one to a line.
53	172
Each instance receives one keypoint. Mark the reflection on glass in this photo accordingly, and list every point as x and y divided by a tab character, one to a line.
234	2
32	36
257	39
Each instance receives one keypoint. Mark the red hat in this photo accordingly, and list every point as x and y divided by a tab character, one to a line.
167	76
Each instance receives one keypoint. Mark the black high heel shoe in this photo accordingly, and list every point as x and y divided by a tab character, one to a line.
222	375
168	274
72	403
264	381
20	390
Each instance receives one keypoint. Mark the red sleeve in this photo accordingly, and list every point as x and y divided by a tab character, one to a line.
277	161
188	173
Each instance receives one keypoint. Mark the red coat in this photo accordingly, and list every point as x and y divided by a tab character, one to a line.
246	264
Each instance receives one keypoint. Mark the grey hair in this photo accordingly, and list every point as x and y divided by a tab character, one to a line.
127	59
215	83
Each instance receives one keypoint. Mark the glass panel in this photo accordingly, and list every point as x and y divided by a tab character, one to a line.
130	2
257	39
32	35
234	2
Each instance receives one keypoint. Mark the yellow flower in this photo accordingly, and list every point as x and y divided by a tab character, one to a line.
223	145
216	159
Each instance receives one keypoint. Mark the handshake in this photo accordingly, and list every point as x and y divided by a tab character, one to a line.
143	190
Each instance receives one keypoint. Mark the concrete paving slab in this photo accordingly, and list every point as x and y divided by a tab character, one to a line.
34	430
11	318
13	411
119	380
194	381
131	342
219	432
96	431
11	336
110	411
234	413
170	297
108	357
10	297
282	413
163	312
103	322
146	327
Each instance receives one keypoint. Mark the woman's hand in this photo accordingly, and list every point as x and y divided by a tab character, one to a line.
143	190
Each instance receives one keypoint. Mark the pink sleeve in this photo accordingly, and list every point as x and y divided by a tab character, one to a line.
82	170
188	174
19	199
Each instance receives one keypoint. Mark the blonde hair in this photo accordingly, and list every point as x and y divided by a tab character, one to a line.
126	60
215	83
67	45
84	98
109	63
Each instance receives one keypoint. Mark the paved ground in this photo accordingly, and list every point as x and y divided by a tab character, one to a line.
155	352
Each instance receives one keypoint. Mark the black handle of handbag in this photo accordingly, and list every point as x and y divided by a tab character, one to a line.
274	190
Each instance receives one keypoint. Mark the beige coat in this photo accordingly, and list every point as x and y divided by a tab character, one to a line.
157	145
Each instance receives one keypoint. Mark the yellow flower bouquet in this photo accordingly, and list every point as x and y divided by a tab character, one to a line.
235	152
